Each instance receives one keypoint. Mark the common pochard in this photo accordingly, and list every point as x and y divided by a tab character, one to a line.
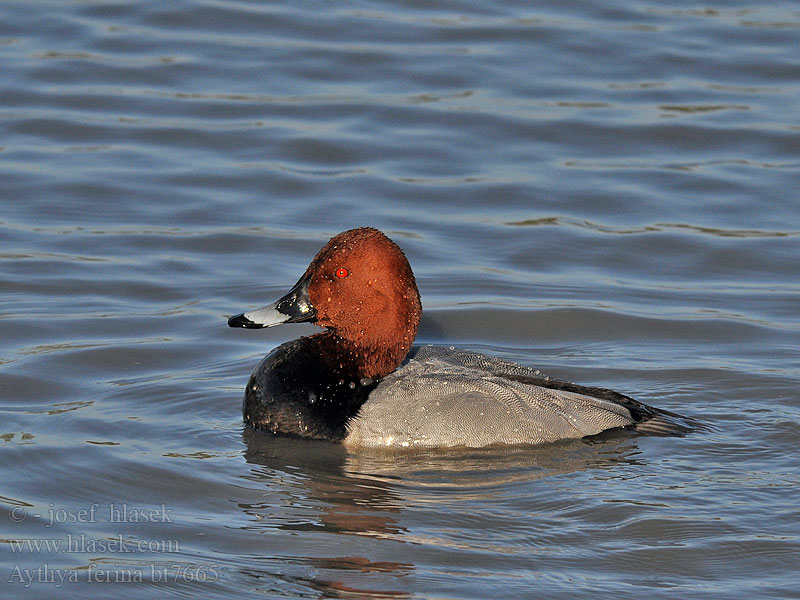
362	383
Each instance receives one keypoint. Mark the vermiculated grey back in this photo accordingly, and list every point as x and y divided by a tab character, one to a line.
452	397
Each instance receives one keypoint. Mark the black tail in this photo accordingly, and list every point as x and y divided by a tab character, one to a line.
663	422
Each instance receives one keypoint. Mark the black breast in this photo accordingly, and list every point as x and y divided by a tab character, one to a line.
294	391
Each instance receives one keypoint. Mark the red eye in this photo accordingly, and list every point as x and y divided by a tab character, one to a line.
342	272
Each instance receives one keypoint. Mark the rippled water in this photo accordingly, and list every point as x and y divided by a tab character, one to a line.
604	191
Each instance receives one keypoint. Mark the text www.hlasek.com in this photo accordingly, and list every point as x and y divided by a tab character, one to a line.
80	544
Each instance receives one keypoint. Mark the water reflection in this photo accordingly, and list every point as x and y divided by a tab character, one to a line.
316	473
387	480
318	490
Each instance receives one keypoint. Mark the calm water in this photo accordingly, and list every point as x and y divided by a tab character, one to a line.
606	191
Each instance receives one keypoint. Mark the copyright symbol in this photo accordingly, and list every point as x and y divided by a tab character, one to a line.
17	514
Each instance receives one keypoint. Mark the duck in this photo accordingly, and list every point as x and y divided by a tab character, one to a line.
363	383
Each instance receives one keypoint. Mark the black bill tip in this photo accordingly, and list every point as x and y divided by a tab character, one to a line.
242	321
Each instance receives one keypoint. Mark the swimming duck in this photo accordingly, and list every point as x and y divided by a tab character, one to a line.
362	383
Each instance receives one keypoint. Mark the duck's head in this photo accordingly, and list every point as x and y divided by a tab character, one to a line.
359	287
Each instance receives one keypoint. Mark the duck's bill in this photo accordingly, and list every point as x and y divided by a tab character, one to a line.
294	307
258	318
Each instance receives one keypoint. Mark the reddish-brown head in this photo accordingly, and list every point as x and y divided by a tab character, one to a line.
364	292
361	289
